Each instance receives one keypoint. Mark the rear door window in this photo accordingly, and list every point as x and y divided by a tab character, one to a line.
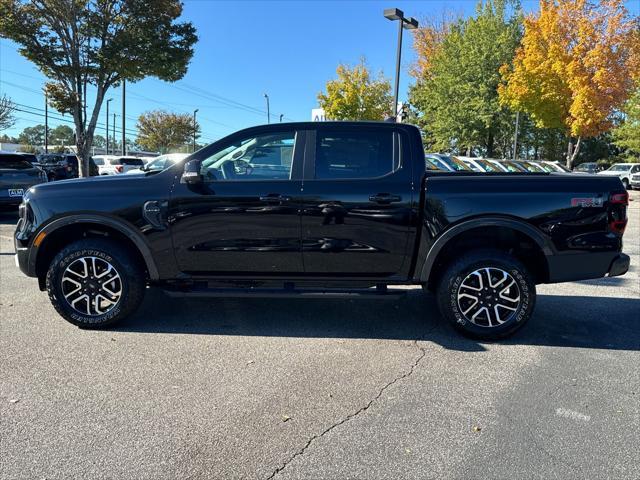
354	154
14	162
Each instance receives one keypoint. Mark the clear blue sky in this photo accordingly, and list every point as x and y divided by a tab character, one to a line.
288	49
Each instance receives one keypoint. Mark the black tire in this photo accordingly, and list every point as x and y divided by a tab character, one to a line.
130	280
456	302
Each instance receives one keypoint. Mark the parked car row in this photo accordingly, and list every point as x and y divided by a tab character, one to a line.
629	173
489	165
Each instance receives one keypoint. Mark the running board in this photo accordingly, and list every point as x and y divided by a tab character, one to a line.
378	292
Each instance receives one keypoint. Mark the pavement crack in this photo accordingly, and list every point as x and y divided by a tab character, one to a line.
353	415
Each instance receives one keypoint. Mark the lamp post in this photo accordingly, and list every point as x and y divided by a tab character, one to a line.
46	123
107	129
268	112
124	117
114	133
281	115
194	128
409	23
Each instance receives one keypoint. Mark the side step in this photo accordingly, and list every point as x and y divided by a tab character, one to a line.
378	292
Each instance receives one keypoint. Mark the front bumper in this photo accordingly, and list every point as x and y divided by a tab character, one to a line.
22	261
619	265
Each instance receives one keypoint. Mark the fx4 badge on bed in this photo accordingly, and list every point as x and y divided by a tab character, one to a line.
587	202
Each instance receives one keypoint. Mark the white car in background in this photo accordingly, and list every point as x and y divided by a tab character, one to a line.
624	171
116	164
160	163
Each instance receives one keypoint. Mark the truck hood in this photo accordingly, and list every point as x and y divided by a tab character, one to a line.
79	186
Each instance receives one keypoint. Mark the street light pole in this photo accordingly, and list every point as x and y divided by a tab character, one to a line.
114	133
194	128
124	115
281	115
46	123
409	23
107	129
515	137
268	112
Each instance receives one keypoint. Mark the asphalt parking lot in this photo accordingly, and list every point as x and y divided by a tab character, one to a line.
259	388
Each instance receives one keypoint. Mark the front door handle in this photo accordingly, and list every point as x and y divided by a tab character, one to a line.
275	198
385	198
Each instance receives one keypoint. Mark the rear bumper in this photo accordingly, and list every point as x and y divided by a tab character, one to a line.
571	268
619	265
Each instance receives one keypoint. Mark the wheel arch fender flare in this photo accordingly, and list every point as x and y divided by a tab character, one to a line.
102	220
451	233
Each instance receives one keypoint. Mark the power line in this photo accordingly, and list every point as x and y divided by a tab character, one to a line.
98	124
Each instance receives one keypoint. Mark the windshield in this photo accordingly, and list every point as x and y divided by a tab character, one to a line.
433	164
531	167
51	158
487	166
457	165
14	162
512	167
619	167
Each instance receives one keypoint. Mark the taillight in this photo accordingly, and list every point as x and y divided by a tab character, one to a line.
119	168
618	211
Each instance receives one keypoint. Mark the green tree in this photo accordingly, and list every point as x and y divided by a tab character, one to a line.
355	95
456	91
32	135
99	141
627	134
100	44
61	135
4	138
159	130
7	120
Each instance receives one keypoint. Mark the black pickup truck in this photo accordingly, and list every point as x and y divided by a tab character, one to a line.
320	209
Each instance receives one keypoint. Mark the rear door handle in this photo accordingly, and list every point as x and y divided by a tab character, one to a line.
275	198
385	198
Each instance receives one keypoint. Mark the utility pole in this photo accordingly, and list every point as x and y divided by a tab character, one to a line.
107	129
46	123
124	115
114	133
194	129
515	138
409	23
268	112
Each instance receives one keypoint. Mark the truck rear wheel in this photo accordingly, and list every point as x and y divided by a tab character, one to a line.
94	283
486	294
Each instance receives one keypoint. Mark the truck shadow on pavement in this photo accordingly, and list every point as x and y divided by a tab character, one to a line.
561	321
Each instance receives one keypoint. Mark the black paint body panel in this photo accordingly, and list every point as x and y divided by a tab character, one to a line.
333	230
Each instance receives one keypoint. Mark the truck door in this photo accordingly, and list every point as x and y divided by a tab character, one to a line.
244	219
357	197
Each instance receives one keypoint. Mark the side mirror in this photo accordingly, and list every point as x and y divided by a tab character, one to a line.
191	173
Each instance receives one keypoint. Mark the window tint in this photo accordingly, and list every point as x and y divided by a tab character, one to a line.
355	154
263	157
14	162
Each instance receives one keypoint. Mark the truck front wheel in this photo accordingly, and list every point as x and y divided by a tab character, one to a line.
94	283
486	294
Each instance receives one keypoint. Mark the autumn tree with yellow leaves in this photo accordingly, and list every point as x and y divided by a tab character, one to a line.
574	68
356	95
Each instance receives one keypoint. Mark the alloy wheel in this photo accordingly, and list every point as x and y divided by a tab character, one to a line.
488	297
91	286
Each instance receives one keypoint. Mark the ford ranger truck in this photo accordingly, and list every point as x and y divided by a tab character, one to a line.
320	210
